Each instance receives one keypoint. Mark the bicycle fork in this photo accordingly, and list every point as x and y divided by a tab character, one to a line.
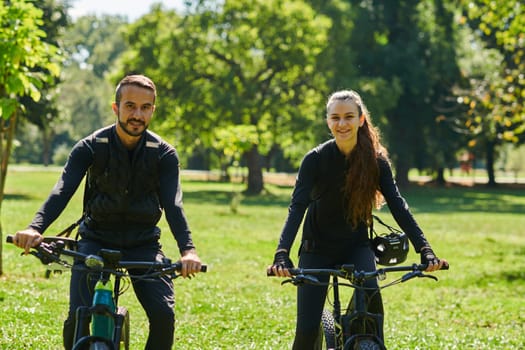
339	321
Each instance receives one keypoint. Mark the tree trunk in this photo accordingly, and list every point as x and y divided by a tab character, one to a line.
255	176
489	154
47	136
440	177
402	168
7	133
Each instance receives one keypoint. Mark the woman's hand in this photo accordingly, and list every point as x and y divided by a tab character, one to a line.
431	260
281	264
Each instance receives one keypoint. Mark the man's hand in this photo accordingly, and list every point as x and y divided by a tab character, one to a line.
191	264
27	239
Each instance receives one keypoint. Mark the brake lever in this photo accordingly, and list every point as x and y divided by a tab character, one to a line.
45	259
417	273
301	279
47	253
290	280
429	276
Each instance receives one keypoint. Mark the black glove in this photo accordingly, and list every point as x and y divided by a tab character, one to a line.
428	256
282	259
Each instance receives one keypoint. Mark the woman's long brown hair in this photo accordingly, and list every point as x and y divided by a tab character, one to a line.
361	190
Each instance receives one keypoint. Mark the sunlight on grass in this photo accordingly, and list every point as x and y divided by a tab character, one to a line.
477	304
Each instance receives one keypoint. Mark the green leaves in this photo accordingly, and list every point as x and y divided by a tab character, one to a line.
245	69
500	96
22	51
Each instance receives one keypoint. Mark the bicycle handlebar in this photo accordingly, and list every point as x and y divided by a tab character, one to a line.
107	261
348	271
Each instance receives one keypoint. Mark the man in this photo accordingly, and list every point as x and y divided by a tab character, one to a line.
132	176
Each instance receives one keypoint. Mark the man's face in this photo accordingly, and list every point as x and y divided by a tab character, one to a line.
135	109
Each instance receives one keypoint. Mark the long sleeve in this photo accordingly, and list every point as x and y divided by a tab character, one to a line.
301	198
171	198
399	207
74	171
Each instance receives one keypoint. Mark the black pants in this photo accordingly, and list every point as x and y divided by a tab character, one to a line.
156	296
311	299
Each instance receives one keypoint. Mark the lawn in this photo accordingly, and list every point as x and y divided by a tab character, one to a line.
477	304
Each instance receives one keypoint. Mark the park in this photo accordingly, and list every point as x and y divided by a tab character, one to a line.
242	87
477	304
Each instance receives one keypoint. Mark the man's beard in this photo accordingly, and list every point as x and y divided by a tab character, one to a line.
124	127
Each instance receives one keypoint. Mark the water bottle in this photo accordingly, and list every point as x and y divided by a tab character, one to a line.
103	325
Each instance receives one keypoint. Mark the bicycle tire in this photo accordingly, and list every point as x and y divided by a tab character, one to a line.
327	337
93	343
328	324
124	334
100	346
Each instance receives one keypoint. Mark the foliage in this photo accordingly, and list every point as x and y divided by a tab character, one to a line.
22	50
434	74
501	27
242	62
411	44
492	98
94	44
27	61
44	112
477	304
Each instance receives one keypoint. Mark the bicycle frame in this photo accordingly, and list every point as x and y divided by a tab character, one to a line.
356	327
356	322
85	315
107	263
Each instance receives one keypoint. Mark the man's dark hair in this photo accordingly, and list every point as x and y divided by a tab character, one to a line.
137	80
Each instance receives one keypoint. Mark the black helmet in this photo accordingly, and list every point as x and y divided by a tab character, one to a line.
390	249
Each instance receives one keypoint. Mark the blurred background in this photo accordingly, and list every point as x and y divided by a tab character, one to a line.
242	84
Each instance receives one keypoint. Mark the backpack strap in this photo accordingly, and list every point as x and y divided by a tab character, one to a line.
100	157
390	228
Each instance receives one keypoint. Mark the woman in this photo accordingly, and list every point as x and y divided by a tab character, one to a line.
340	182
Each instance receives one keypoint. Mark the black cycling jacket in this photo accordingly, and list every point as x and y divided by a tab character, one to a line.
170	197
318	192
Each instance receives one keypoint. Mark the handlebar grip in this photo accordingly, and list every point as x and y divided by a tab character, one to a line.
178	267
293	271
9	239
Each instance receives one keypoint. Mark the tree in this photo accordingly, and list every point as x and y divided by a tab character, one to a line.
23	49
494	102
410	43
94	45
232	63
341	61
44	112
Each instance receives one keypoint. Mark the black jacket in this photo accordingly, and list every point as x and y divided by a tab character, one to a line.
318	192
123	203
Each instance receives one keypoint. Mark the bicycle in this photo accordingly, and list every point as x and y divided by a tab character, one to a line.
354	328
105	324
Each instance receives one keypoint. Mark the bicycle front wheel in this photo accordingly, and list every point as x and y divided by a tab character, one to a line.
367	344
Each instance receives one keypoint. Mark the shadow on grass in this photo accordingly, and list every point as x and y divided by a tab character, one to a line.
419	197
225	197
466	199
18	197
485	280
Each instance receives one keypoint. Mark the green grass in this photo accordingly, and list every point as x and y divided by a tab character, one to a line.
477	304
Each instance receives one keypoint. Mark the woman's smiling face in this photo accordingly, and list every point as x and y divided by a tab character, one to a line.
343	120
